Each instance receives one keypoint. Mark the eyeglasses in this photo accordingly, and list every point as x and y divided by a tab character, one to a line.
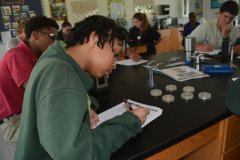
51	36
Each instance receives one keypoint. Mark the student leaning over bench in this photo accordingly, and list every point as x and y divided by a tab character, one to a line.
57	116
15	69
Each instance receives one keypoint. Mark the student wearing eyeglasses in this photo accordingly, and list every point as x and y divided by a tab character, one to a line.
58	120
15	70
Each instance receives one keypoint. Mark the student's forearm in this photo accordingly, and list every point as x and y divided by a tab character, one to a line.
204	47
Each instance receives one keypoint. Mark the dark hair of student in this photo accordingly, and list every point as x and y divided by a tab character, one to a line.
38	22
191	14
122	35
21	25
105	28
230	7
142	17
66	24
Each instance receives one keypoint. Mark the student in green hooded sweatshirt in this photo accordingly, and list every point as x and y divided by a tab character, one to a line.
233	102
57	119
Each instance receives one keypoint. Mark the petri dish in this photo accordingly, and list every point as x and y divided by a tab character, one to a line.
168	98
156	92
171	87
187	96
188	89
204	96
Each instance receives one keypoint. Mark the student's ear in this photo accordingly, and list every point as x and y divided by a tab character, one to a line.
93	39
34	35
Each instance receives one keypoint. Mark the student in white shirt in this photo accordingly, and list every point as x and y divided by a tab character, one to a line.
13	42
210	34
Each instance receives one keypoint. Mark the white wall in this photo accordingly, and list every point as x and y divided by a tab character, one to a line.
102	10
175	8
208	13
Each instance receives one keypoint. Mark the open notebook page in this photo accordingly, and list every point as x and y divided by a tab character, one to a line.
130	62
121	108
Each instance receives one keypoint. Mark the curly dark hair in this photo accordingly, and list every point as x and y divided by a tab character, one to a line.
105	28
38	22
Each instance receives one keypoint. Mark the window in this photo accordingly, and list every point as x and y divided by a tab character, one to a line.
145	6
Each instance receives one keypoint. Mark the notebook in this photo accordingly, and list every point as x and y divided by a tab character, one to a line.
121	108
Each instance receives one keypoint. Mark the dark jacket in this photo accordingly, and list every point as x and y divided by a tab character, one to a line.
147	38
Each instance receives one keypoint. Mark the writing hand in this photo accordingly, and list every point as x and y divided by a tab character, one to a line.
204	47
135	57
141	113
131	53
93	118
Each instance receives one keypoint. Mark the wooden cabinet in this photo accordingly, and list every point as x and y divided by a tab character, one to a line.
231	138
171	40
218	142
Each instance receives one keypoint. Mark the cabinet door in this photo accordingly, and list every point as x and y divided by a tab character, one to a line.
176	39
165	45
171	40
232	131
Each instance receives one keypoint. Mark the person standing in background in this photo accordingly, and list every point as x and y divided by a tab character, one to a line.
15	69
190	26
13	42
211	34
65	31
142	33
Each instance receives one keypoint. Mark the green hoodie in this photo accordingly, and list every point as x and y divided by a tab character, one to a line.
233	97
55	119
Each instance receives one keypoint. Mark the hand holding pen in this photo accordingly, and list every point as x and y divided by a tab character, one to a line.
204	47
140	112
93	118
127	104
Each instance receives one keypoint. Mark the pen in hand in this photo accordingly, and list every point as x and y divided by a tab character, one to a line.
127	104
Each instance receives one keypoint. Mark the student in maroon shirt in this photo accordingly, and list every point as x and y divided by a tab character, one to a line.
15	70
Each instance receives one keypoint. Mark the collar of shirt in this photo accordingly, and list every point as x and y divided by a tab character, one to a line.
28	51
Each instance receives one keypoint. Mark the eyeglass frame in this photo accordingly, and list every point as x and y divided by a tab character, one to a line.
51	36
